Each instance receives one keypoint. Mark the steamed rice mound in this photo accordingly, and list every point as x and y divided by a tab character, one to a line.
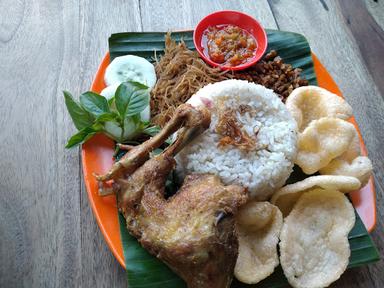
266	120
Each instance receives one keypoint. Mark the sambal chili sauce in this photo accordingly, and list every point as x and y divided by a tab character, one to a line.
228	45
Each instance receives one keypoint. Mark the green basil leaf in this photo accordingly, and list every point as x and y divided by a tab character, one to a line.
80	117
110	116
97	126
94	103
139	101
137	120
139	85
111	100
151	130
131	98
113	130
82	136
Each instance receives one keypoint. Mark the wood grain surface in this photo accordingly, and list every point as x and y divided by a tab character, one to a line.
49	237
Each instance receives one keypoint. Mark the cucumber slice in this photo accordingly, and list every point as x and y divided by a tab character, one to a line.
130	67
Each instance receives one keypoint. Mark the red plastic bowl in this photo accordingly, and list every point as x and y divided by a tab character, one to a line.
239	19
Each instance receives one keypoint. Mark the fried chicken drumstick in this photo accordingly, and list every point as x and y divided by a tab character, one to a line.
193	231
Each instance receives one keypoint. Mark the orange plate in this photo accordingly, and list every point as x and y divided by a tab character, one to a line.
97	158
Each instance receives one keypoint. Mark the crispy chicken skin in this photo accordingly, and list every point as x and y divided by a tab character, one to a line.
193	231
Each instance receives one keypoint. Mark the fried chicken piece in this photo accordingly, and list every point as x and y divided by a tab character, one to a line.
193	232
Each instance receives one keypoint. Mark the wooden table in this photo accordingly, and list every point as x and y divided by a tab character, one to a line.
48	235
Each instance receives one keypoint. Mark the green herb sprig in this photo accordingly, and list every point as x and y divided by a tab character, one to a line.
118	118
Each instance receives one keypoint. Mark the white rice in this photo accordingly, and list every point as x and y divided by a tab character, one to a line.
262	170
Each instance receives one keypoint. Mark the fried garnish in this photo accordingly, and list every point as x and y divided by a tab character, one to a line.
273	73
232	134
180	72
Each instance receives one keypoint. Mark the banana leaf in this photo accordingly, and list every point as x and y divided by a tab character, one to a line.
145	270
292	47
